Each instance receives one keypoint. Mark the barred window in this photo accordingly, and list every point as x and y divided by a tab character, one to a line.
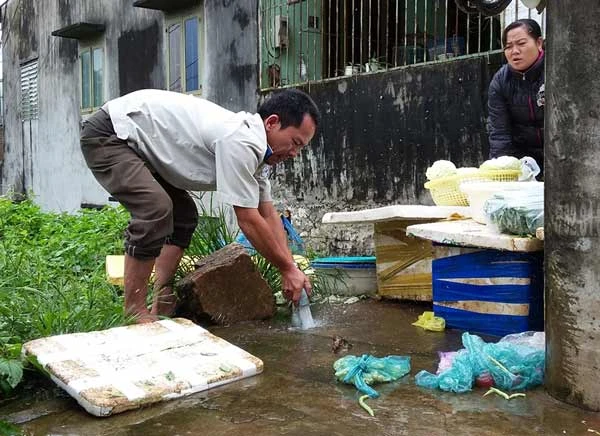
311	40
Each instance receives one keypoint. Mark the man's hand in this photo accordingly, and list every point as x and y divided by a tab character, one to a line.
292	282
265	231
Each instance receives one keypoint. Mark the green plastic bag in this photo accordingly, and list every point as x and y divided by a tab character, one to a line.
368	370
517	212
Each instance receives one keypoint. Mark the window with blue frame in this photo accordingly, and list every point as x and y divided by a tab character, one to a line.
91	61
184	54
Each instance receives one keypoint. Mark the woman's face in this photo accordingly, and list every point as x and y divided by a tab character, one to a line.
521	49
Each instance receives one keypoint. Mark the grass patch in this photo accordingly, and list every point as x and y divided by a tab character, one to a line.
53	277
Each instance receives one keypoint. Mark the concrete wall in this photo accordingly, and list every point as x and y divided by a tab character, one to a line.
231	66
379	133
572	222
42	156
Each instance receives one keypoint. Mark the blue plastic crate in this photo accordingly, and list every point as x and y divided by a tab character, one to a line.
515	303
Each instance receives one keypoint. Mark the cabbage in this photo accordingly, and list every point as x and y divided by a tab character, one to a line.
440	168
501	163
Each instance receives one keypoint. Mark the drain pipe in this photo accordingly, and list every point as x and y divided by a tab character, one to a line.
572	225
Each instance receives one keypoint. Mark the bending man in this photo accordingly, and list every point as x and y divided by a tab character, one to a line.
149	147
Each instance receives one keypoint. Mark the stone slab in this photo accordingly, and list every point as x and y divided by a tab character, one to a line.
227	287
468	233
397	212
124	368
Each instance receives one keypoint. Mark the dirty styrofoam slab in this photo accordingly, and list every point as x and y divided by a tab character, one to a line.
469	233
124	368
398	212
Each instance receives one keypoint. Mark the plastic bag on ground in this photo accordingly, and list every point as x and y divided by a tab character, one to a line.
511	365
242	240
295	242
535	340
446	359
367	370
429	321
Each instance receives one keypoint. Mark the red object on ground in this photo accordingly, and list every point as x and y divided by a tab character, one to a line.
484	380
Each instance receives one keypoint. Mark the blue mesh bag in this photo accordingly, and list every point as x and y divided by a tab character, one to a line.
512	366
367	370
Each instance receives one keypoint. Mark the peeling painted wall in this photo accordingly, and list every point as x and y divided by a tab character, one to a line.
138	58
380	131
43	156
231	66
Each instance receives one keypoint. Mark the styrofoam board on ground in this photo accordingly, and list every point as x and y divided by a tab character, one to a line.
124	368
469	233
391	213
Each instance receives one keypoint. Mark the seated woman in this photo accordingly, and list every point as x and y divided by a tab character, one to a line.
516	95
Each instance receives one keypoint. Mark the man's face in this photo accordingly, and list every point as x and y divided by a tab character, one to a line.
288	142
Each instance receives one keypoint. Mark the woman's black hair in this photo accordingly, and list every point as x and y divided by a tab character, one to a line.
291	105
532	27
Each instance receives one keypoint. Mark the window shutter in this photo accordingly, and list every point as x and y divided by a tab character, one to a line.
29	91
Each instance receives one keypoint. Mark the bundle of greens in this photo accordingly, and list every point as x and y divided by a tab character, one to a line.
516	212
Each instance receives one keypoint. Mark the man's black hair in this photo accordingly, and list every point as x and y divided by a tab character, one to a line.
531	26
291	105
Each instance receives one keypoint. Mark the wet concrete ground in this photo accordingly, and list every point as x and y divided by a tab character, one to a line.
298	395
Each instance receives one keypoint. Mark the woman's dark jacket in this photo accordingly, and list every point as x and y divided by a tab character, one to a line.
516	120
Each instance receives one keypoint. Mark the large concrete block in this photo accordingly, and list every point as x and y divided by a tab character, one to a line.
226	287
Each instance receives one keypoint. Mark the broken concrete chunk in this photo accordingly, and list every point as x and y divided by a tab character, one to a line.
226	287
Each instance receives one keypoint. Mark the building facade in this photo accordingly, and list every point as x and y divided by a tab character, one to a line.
400	85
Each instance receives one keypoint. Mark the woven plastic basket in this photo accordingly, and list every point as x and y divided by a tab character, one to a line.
445	191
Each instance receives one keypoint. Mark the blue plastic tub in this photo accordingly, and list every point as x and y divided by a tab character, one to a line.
358	273
344	262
